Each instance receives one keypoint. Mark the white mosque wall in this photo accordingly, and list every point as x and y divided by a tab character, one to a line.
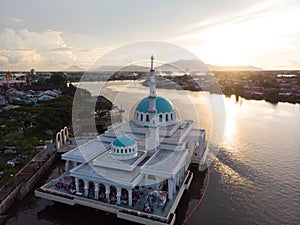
166	119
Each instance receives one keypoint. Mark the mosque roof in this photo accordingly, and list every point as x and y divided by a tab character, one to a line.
124	141
163	105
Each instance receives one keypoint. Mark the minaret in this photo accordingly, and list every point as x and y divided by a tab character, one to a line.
152	94
152	136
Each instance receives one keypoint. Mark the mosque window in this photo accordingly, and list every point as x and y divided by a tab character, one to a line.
142	117
171	116
121	150
129	150
117	150
126	150
160	118
147	118
167	117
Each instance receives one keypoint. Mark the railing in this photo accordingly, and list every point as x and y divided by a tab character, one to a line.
146	215
60	194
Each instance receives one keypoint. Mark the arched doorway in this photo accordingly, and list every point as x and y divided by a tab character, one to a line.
124	196
91	193
102	190
113	195
81	185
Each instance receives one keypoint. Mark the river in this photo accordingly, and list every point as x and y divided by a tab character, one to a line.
254	177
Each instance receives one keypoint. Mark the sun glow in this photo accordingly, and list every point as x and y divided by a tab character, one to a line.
246	40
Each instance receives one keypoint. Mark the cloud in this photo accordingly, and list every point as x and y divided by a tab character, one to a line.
15	57
291	64
84	50
242	16
3	61
61	49
9	39
16	20
23	49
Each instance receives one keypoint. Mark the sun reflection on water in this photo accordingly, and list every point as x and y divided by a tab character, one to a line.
231	108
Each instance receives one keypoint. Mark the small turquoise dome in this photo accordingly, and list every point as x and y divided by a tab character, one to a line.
163	105
124	141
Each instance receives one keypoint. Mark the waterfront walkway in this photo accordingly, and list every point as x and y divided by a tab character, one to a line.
66	185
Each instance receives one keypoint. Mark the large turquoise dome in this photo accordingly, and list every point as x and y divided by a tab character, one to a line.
163	105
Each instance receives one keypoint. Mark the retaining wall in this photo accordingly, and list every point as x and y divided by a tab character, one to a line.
24	187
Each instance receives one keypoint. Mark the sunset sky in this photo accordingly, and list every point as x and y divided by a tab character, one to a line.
59	34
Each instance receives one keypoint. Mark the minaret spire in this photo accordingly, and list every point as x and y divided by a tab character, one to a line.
152	85
152	58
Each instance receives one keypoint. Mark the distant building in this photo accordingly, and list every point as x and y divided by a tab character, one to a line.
3	101
13	95
45	97
12	80
40	87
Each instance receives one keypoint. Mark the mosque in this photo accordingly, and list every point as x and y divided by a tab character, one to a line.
136	169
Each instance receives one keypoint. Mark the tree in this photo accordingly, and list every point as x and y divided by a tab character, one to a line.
8	176
102	108
58	78
12	138
69	90
41	80
272	96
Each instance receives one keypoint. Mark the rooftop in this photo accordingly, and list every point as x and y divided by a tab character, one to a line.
163	105
165	162
110	174
124	141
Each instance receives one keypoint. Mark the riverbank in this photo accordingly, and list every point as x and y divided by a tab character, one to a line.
28	177
260	86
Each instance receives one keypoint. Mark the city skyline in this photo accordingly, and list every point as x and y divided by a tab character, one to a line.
54	35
